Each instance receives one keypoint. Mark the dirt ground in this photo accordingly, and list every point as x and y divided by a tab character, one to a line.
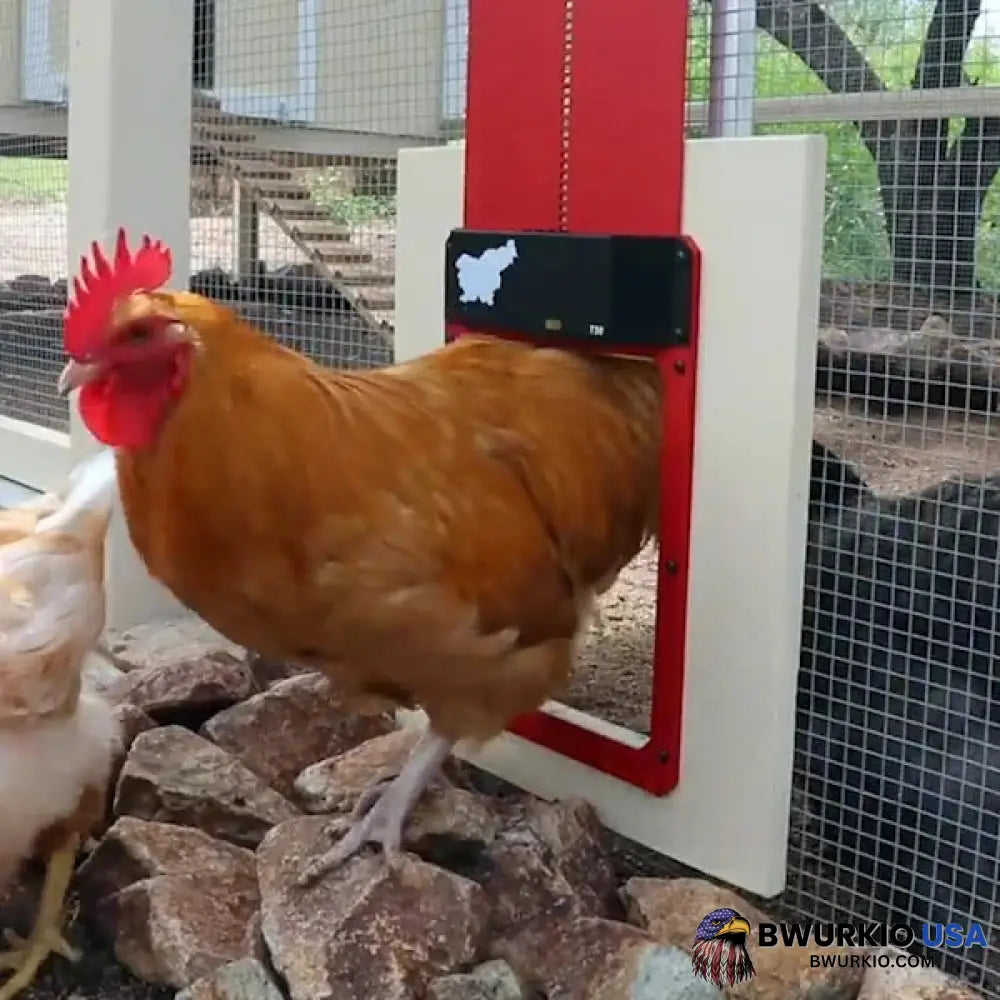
97	976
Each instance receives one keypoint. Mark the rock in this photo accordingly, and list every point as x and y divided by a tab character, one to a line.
256	947
368	929
579	957
494	980
579	849
548	859
334	784
174	776
173	902
135	849
451	827
521	884
267	672
669	910
100	676
187	691
890	981
175	929
131	722
246	979
305	720
180	640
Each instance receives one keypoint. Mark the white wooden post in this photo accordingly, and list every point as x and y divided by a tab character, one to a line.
129	142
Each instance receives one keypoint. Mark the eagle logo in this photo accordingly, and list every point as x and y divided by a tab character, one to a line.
719	955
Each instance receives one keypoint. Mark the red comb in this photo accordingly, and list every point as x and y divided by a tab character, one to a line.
95	291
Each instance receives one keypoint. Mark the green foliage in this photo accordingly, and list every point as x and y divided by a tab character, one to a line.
890	34
355	209
30	181
335	190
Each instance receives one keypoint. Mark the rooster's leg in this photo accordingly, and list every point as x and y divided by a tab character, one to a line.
12	959
46	936
386	815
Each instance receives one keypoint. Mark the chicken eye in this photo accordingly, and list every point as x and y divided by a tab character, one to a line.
138	334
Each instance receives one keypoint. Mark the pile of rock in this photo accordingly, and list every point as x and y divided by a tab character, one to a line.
227	782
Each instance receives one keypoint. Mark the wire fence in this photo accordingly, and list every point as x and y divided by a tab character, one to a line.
32	279
298	113
298	118
896	774
32	224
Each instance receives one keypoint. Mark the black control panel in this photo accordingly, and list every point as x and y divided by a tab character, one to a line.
622	291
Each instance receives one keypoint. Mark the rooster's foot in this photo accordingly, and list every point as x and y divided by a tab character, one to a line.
46	936
381	813
52	939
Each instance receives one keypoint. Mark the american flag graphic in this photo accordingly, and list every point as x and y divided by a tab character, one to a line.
724	963
719	954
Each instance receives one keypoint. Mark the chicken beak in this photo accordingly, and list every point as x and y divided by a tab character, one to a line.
74	375
735	926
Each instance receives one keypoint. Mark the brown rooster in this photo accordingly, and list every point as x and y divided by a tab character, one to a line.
429	533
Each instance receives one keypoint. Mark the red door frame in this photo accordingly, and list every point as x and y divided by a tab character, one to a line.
575	123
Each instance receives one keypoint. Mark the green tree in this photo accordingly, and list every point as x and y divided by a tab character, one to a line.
932	175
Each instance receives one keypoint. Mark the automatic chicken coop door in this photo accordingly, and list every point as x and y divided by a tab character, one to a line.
573	164
573	195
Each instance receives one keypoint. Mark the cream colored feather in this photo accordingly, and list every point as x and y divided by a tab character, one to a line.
52	604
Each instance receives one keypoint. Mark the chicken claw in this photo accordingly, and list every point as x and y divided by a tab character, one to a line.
58	945
382	810
45	938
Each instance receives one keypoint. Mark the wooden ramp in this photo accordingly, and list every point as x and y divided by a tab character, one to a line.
278	192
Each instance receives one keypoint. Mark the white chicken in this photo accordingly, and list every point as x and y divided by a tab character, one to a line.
56	742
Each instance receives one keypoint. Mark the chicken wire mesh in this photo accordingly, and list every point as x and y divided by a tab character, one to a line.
32	220
299	111
896	780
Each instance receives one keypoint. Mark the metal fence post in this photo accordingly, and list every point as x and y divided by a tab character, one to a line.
733	58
